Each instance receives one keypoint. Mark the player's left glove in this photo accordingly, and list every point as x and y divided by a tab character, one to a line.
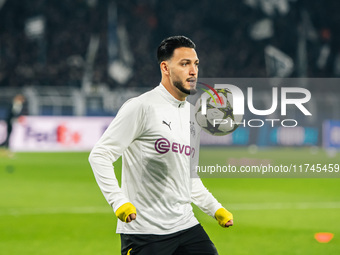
125	210
223	216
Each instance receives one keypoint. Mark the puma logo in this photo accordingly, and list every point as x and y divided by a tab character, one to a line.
167	124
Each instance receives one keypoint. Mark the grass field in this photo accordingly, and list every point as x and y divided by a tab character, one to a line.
50	204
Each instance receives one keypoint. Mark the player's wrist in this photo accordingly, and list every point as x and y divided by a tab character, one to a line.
125	210
222	215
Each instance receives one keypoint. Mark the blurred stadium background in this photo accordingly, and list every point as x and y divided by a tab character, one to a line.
85	58
76	62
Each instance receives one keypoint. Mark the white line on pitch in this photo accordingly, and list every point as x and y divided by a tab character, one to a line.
56	210
232	207
281	206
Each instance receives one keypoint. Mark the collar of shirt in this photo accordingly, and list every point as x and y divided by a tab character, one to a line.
170	98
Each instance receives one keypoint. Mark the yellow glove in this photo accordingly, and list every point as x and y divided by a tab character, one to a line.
125	210
223	216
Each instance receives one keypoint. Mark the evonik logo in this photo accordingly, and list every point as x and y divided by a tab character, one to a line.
163	145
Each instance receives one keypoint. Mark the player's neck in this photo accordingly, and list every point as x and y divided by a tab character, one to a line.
175	92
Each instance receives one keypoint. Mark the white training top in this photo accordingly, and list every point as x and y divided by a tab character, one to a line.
158	144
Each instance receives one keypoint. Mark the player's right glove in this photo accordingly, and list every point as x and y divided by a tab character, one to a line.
222	215
125	210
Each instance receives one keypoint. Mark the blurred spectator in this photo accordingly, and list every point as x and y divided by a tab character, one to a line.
221	29
13	115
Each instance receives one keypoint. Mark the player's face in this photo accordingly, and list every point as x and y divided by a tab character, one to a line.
183	68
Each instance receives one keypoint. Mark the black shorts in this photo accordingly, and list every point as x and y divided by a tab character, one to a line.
190	241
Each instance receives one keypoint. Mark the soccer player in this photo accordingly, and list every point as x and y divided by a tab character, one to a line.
155	137
13	114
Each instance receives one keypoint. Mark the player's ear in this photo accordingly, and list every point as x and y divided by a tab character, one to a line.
164	65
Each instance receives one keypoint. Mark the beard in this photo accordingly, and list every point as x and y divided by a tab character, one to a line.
179	85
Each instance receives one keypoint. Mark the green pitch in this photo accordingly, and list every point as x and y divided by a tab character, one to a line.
50	204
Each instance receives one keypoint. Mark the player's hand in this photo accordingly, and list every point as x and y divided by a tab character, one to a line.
131	217
127	212
224	217
229	224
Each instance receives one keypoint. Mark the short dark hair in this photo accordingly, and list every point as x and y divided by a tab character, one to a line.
166	48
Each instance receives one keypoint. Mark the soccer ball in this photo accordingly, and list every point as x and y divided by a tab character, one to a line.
219	119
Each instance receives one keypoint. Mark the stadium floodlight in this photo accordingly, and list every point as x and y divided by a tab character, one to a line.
2	2
35	27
